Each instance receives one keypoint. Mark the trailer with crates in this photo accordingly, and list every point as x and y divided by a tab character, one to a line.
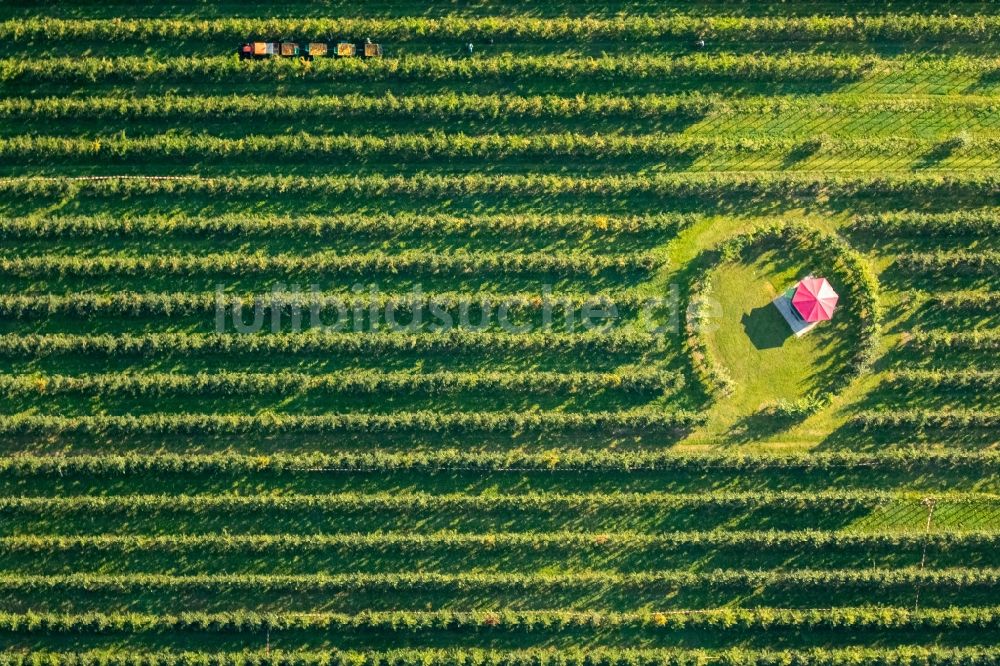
259	50
317	50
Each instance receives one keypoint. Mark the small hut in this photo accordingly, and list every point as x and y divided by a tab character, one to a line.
814	299
807	303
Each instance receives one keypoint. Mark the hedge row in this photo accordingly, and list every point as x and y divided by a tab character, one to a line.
365	382
130	303
953	419
732	619
689	186
943	379
984	222
906	655
891	26
307	148
471	106
713	376
977	340
436	106
591	581
383	542
978	262
378	225
410	262
983	302
593	342
634	420
433	68
442	459
418	502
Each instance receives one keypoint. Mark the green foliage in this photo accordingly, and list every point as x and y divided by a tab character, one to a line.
313	342
597	656
980	262
984	222
864	617
636	420
943	379
714	378
146	303
419	503
452	105
984	339
353	382
792	410
426	147
436	106
692	186
590	581
927	419
377	225
567	461
888	26
965	301
410	262
439	459
429	68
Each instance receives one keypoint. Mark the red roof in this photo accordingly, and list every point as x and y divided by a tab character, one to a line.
815	299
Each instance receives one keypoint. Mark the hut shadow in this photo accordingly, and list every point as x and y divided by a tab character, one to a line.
765	327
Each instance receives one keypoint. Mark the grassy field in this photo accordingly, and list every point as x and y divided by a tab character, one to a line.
447	360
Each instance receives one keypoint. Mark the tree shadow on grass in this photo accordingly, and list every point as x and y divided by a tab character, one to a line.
855	438
802	151
757	426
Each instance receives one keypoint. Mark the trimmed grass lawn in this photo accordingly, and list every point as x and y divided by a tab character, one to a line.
756	346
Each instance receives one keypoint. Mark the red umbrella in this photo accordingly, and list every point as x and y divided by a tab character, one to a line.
815	299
